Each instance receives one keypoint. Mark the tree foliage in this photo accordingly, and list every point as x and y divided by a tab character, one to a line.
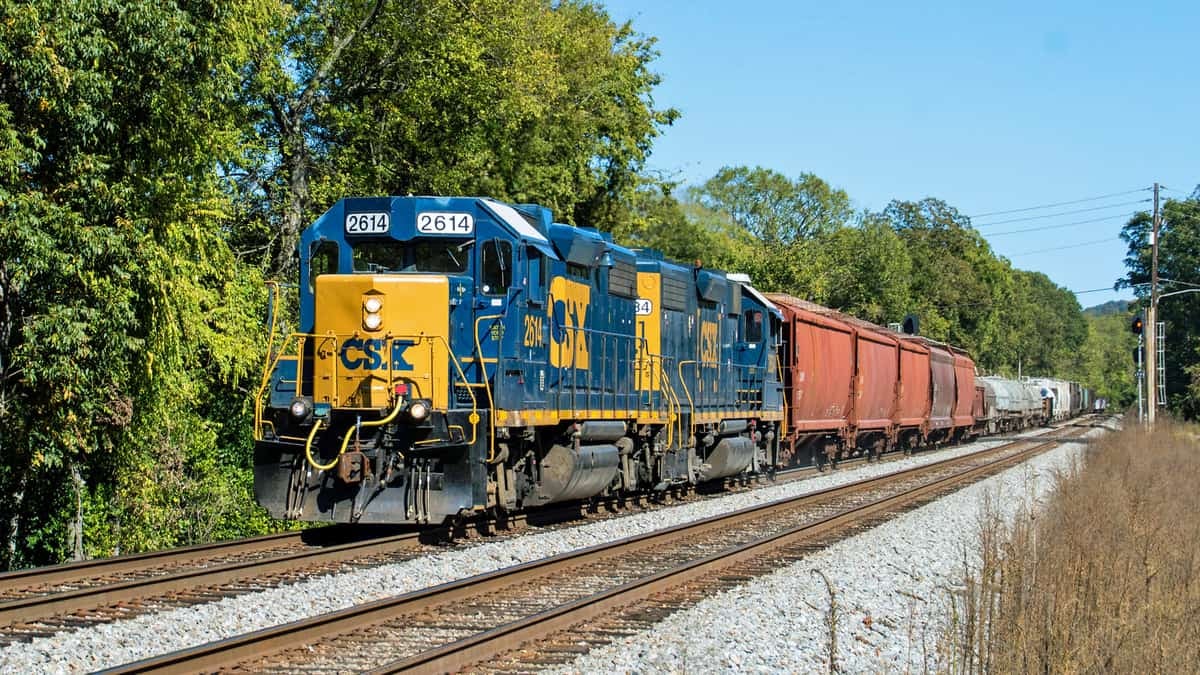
120	306
1178	262
524	101
920	257
778	218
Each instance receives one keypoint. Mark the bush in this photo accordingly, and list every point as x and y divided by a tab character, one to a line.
1103	578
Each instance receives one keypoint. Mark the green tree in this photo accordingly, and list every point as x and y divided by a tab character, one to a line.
773	208
954	272
526	101
1048	326
116	327
783	217
866	270
1108	365
1179	261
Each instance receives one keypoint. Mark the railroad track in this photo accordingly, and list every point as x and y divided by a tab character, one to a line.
455	625
42	601
46	600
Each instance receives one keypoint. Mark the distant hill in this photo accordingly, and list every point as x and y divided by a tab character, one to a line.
1110	307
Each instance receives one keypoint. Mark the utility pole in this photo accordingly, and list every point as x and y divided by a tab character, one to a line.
1151	328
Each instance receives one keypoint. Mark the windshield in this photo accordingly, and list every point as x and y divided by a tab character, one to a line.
441	256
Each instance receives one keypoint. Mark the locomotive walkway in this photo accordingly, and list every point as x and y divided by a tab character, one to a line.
455	625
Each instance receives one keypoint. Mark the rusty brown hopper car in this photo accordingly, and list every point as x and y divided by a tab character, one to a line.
964	385
943	392
915	395
872	360
818	376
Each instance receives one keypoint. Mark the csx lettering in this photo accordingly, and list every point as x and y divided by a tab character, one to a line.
533	331
568	342
709	356
708	342
359	354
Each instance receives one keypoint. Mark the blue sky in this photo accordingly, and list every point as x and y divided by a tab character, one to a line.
988	106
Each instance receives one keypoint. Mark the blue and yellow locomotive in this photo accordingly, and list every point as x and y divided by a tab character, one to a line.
459	354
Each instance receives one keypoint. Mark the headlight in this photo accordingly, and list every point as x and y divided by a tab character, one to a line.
372	321
372	305
301	408
419	410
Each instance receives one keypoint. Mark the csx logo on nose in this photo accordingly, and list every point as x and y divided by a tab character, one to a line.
362	354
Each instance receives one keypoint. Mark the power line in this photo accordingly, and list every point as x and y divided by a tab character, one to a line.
1094	290
1060	248
1061	213
1048	206
1060	226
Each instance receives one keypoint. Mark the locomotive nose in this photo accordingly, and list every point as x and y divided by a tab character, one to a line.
375	333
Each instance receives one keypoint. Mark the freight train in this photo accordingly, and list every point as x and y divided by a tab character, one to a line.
458	355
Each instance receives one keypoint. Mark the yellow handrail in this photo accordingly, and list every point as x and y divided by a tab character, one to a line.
308	448
672	403
782	397
272	299
266	382
474	417
691	403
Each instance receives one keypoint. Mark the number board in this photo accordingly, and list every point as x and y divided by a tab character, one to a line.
445	222
368	223
643	307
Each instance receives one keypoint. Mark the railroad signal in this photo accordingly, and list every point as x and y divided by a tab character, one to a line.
1136	325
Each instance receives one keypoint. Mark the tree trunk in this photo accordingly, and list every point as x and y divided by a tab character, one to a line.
76	528
295	161
290	119
14	522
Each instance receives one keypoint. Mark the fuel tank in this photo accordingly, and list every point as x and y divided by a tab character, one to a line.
570	473
731	456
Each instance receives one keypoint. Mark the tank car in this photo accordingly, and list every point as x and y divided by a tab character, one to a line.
460	354
1015	406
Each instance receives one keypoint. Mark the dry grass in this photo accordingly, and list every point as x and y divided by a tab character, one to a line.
1104	578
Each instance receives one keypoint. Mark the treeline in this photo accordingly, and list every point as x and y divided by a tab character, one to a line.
159	159
802	236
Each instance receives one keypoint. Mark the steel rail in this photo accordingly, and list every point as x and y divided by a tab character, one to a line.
238	649
40	607
482	646
72	572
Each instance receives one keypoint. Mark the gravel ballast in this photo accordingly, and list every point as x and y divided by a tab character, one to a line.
108	645
892	586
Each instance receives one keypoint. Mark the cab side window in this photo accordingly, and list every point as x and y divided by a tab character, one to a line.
495	273
752	326
534	274
323	259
